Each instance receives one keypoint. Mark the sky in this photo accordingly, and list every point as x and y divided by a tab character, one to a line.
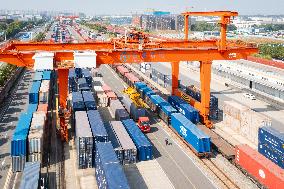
123	7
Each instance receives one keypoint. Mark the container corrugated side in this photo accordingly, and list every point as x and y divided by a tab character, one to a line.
18	163
190	133
89	100
19	140
139	85
128	147
83	140
144	147
271	154
97	126
31	176
33	94
77	101
261	168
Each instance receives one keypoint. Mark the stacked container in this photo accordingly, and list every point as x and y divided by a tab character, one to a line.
118	111
144	147
46	75
195	94
38	76
121	70
183	107
89	100
134	111
36	135
111	96
88	76
78	101
109	173
131	79
31	176
262	169
271	145
102	100
44	92
129	150
83	85
19	142
166	112
34	92
97	81
72	81
199	141
83	140
243	120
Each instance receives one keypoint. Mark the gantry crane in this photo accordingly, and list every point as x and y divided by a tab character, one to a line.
126	50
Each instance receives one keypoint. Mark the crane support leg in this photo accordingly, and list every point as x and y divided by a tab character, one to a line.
63	93
186	27
205	79
175	76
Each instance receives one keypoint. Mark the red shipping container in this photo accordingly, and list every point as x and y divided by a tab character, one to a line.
261	168
42	107
132	78
106	88
122	70
111	95
266	62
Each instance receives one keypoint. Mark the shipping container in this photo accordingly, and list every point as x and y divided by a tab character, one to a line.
88	76
42	108
102	100
31	176
118	111
134	111
196	138
19	140
83	85
46	75
72	81
89	100
44	92
18	163
38	76
128	147
32	108
139	85
97	81
98	90
122	70
83	140
106	88
33	94
271	154
144	147
78	101
166	112
111	96
97	126
109	173
183	107
259	167
272	138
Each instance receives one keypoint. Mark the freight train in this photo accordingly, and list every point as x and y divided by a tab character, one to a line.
263	166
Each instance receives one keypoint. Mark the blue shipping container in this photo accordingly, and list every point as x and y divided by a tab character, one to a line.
97	126
77	101
168	110
141	142
32	108
89	100
190	133
19	140
46	75
139	85
269	153
33	94
272	138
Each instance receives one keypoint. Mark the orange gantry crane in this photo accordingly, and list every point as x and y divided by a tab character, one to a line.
137	48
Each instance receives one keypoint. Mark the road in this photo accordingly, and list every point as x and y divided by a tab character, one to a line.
178	166
10	111
190	77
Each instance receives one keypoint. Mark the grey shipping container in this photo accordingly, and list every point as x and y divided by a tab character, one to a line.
31	176
118	111
134	111
18	163
83	140
128	147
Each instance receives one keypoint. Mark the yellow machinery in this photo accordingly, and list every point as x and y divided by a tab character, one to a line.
135	97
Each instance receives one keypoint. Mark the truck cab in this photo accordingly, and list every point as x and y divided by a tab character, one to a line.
144	124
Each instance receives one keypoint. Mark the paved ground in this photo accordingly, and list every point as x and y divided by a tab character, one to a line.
178	166
191	77
10	111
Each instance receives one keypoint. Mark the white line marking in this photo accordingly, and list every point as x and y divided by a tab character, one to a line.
3	162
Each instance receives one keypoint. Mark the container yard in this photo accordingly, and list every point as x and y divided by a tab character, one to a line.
140	112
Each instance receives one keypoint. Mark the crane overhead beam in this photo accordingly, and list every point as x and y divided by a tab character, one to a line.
212	13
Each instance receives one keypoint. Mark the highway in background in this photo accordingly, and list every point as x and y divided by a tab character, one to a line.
190	76
178	166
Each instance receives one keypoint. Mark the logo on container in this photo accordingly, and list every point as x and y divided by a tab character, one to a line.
261	173
183	131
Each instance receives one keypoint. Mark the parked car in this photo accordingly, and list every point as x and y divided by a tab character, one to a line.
249	96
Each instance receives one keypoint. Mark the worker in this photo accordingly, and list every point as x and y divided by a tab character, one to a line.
167	141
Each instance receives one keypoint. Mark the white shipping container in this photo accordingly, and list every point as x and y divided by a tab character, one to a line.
97	81
232	122
44	91
102	99
85	59
234	109
98	90
43	61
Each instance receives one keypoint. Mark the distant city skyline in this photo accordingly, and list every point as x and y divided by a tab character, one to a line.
125	7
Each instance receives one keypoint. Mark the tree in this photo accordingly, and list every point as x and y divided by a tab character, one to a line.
40	37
